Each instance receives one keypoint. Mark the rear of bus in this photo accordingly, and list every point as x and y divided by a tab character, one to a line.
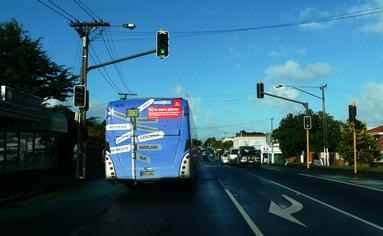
162	141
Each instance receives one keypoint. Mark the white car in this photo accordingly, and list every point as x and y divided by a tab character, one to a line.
233	156
225	158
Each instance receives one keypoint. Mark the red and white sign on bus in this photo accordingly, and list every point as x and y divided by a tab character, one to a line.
166	112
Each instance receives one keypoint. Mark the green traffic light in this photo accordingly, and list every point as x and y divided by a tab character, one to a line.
162	51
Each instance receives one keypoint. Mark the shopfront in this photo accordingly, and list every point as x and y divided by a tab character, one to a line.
28	134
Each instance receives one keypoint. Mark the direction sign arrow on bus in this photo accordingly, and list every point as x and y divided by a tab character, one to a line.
287	212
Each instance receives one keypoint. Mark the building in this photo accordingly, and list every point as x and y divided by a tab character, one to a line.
261	142
377	132
255	139
28	134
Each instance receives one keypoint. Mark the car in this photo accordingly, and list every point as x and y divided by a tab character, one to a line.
233	156
248	155
225	158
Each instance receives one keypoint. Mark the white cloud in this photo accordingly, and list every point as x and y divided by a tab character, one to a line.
194	102
310	13
284	106
370	108
97	109
292	70
286	52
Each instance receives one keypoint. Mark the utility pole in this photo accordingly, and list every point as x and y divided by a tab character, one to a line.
83	29
324	118
261	94
124	96
271	141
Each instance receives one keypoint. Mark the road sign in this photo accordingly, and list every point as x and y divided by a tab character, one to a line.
133	113
307	122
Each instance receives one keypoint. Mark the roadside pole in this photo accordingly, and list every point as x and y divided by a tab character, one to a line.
84	29
261	93
353	122
308	148
271	141
355	163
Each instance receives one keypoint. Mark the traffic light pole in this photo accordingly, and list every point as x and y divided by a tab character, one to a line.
306	105
81	117
84	30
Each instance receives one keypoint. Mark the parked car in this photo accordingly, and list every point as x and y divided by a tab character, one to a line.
248	155
225	158
233	156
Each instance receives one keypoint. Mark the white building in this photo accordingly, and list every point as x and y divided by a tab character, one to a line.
259	141
255	139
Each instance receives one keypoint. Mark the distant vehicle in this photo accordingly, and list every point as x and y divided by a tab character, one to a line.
156	146
233	154
248	155
225	158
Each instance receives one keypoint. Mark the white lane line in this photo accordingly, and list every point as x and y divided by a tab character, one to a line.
332	207
342	182
242	211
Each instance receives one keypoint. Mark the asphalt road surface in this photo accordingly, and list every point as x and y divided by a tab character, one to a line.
225	200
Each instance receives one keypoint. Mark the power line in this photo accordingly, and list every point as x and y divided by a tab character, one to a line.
108	78
57	12
79	4
91	12
180	34
117	65
62	10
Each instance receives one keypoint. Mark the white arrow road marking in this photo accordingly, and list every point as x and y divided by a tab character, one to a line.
330	206
247	218
146	104
286	213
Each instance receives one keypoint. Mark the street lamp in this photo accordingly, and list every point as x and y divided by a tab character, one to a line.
130	26
325	149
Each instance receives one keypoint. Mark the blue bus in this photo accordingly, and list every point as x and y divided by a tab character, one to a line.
149	140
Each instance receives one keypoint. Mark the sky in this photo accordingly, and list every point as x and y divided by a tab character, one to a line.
218	72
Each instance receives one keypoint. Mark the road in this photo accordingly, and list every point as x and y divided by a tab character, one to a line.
226	200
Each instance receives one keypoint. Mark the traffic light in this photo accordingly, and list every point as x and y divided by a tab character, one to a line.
162	44
260	93
307	122
80	96
352	112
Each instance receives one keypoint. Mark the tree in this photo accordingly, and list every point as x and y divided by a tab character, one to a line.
366	145
25	66
292	136
226	145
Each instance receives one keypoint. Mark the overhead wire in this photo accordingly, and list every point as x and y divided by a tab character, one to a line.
84	9
116	65
62	9
179	34
56	11
106	76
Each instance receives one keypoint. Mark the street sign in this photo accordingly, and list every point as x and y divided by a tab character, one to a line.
133	113
307	122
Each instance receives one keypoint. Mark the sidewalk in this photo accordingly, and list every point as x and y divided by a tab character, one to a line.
332	171
23	184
